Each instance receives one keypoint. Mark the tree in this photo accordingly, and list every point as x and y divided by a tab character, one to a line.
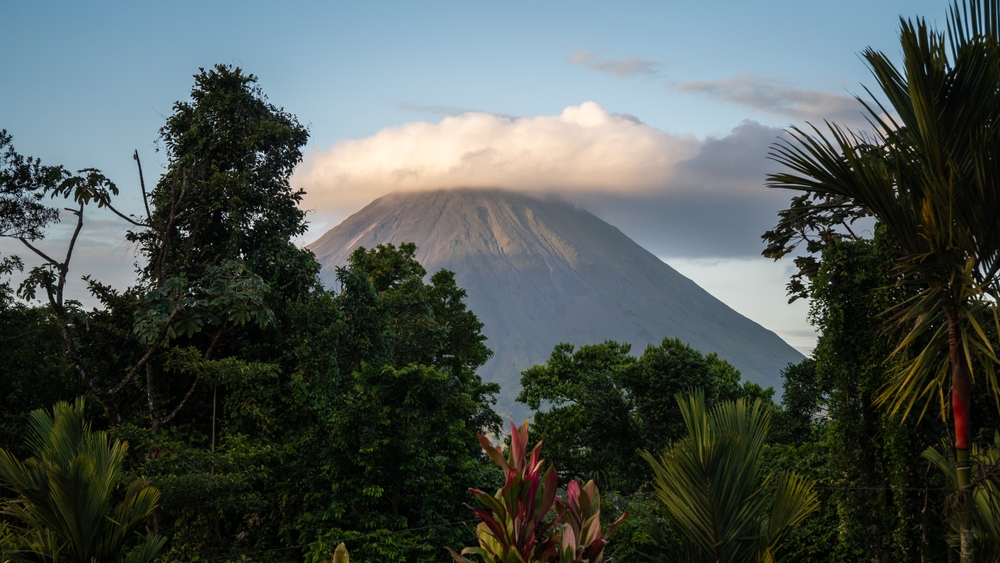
67	506
226	193
395	436
277	418
393	317
885	501
713	491
23	184
198	332
800	402
932	178
589	425
602	405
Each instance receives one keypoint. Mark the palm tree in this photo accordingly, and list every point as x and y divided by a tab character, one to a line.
713	490
931	174
64	509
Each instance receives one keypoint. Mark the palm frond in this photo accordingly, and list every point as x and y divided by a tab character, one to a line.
65	507
712	488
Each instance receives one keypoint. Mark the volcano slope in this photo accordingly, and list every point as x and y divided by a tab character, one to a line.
540	272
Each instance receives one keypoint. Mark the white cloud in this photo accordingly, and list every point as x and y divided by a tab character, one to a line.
619	68
583	149
777	97
675	195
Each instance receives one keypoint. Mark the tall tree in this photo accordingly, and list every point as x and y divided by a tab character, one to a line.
222	265
932	177
885	504
395	437
226	192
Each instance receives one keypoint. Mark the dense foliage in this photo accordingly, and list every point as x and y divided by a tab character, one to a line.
277	418
929	172
598	406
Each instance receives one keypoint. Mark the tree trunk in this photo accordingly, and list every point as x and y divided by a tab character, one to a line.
961	394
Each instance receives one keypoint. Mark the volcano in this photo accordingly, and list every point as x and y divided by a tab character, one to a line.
540	272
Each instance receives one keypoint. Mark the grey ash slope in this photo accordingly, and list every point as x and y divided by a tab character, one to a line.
542	272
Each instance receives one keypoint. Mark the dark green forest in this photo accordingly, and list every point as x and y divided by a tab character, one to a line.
228	407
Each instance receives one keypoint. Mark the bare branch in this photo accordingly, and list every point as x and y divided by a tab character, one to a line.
211	346
145	358
164	235
848	227
74	360
125	217
142	186
149	395
64	267
56	304
43	255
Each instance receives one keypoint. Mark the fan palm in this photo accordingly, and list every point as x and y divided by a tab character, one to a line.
64	509
713	490
931	175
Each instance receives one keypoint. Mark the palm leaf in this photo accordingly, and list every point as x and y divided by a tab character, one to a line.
64	509
712	489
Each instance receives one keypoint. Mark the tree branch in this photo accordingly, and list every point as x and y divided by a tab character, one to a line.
848	227
64	267
161	421
126	217
145	358
164	235
73	358
211	346
149	396
43	255
142	186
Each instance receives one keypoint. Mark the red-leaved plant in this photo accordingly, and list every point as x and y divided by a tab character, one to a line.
581	538
513	527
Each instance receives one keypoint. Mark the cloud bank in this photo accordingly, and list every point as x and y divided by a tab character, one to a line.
674	194
619	68
777	97
584	148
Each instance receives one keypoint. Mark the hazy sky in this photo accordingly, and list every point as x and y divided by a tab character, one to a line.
656	116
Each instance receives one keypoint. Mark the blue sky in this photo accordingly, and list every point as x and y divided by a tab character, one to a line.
86	85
